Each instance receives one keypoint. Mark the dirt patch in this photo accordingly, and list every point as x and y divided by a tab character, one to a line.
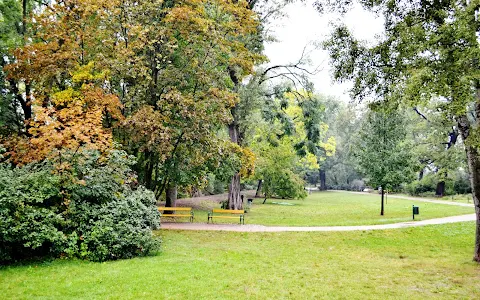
208	202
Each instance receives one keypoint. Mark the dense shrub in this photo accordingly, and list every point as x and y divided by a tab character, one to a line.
30	211
92	209
121	228
461	184
283	184
456	183
427	184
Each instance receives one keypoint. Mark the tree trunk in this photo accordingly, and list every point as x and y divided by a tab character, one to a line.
474	166
382	206
323	180
171	195
259	188
148	173
473	161
440	191
196	192
420	175
234	199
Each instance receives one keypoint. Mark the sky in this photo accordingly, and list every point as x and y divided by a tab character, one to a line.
303	25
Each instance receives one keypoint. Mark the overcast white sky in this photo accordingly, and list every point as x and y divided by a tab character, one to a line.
304	25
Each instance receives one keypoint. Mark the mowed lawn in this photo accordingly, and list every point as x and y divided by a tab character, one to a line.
432	262
337	208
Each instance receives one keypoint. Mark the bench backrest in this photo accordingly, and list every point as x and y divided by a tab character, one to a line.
175	208
228	211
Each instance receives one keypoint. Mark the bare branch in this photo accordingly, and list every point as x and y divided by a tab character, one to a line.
420	114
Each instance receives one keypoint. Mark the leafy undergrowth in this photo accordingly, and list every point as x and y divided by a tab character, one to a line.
337	208
415	263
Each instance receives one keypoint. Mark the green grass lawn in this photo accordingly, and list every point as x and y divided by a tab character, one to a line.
336	208
414	263
463	198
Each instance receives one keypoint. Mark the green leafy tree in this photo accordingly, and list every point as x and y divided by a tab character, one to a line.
439	149
177	89
383	152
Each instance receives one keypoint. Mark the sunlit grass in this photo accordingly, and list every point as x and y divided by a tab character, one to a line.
415	263
337	208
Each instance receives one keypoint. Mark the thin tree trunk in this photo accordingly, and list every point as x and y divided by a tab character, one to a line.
171	195
420	175
382	206
149	170
259	188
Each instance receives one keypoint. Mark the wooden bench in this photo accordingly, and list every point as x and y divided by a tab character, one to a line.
223	214
185	212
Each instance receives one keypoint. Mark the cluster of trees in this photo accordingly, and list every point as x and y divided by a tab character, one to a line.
415	151
107	107
427	58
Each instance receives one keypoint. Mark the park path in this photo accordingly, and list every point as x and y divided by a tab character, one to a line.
412	198
262	228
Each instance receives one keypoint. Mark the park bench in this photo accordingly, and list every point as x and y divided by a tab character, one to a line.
226	214
185	212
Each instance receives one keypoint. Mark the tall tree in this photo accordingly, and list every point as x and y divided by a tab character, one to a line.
344	122
383	153
430	49
295	73
176	87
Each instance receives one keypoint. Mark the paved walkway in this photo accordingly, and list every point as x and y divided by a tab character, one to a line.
262	228
413	198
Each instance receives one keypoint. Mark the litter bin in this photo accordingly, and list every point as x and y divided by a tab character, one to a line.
416	211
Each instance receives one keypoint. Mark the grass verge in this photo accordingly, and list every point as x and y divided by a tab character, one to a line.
414	263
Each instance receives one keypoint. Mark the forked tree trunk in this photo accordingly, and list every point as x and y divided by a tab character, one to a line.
473	160
171	195
259	188
234	199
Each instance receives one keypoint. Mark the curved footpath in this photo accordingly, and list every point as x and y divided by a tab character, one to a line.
262	228
413	198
